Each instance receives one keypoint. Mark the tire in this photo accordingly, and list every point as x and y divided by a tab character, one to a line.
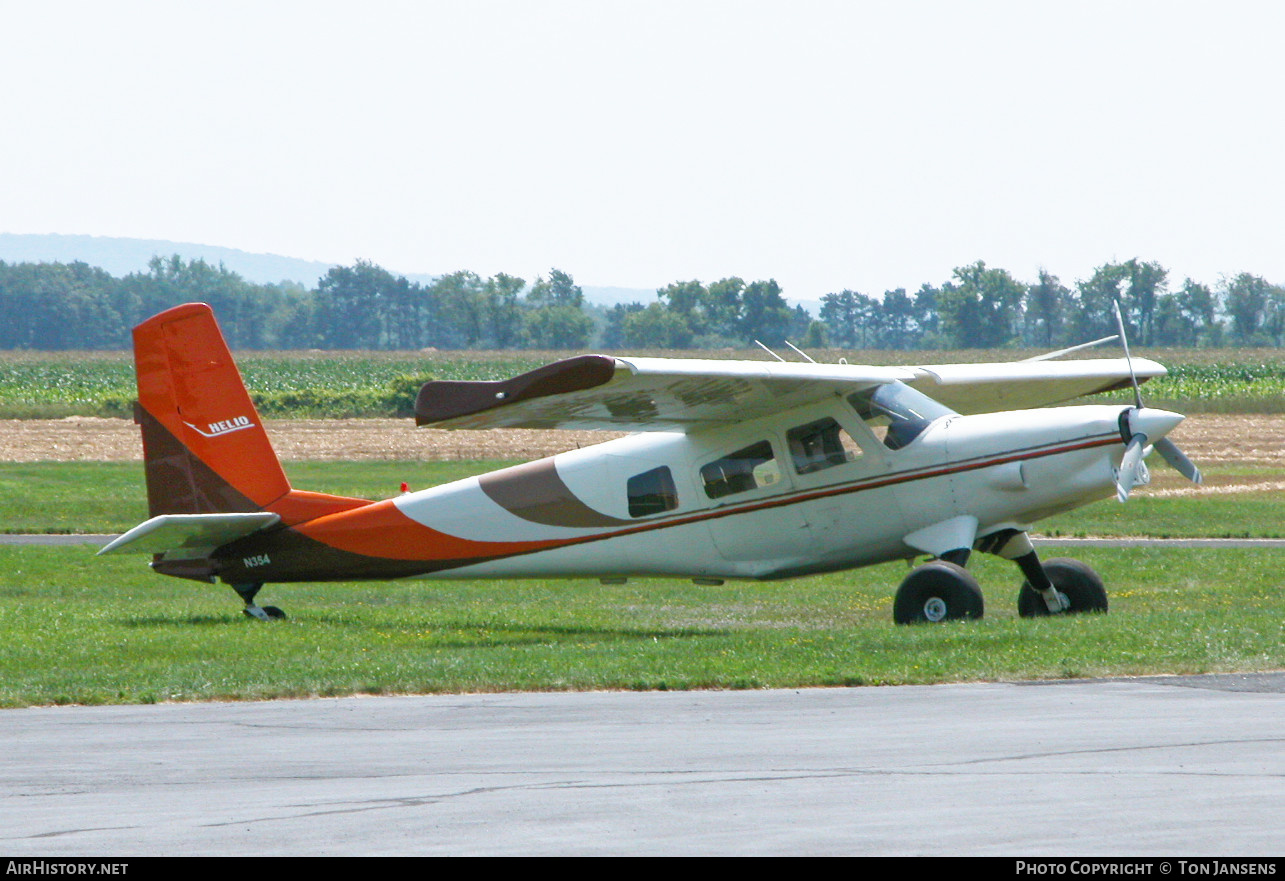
937	591
1079	583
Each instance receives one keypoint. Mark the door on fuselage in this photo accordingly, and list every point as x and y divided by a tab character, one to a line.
839	465
749	491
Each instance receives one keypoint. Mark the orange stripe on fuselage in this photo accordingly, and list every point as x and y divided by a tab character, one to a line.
381	530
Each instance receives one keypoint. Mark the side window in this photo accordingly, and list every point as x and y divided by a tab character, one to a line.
744	470
652	492
820	445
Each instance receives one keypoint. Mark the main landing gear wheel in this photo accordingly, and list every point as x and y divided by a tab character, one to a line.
937	591
1079	584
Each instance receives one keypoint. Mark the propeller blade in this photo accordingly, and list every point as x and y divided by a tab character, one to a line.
1124	340
1132	470
1178	460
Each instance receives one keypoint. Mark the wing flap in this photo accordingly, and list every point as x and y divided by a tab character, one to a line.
189	536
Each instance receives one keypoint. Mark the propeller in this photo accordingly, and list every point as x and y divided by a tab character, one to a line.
1137	425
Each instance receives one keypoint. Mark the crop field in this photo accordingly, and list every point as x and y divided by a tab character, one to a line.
367	384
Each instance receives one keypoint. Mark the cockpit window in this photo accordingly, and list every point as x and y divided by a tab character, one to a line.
743	470
904	411
820	445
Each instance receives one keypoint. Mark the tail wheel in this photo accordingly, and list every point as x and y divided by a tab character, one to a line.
247	592
1080	585
937	591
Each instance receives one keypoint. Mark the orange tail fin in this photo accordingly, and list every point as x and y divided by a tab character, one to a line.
204	446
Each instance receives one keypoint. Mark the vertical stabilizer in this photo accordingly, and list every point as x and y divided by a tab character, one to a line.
204	445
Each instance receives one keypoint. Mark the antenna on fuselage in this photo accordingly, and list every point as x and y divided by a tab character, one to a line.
800	351
769	351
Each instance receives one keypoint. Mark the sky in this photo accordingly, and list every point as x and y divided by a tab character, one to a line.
827	145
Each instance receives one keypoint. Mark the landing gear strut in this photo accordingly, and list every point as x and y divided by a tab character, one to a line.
1058	586
247	590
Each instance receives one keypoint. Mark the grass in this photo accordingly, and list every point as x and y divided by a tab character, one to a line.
86	630
109	497
81	629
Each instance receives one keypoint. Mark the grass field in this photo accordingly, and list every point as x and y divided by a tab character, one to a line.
80	629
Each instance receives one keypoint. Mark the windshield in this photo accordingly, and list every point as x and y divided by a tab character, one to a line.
904	411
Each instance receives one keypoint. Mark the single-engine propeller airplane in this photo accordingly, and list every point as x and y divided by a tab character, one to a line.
735	469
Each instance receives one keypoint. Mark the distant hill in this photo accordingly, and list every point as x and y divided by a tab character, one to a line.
120	257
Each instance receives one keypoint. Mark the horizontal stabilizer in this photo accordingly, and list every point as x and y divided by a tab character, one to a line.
189	536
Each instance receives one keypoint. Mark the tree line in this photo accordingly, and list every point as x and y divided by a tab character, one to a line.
57	306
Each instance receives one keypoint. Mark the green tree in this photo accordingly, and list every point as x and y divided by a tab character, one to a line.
1094	314
765	316
723	308
613	335
656	327
981	309
351	303
557	327
1046	306
849	318
1246	299
503	309
461	309
559	289
686	300
897	327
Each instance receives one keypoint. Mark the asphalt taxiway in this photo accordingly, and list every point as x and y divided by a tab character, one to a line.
1163	766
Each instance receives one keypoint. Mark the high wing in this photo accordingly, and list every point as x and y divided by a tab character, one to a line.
668	394
641	394
1023	385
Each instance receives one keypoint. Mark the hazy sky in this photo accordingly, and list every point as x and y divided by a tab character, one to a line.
824	144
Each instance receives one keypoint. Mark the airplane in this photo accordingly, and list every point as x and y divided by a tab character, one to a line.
732	470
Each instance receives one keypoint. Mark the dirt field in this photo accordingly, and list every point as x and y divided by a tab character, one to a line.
92	439
1210	440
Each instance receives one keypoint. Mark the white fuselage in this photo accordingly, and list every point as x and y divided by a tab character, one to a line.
1007	470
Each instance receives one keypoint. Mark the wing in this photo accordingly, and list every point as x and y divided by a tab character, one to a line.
641	394
1022	385
667	394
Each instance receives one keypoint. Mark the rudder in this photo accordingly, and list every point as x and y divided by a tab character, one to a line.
204	446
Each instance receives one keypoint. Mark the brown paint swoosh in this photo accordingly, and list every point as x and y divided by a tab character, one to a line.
535	492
